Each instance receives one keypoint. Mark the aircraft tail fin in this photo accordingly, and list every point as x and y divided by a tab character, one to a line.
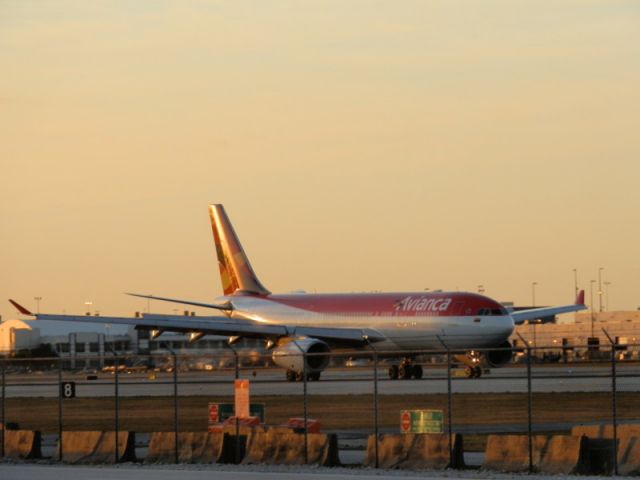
235	270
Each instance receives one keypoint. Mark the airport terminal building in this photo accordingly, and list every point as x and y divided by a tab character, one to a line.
587	329
90	345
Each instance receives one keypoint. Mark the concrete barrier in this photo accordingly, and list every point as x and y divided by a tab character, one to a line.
278	448
97	447
22	444
415	451
601	447
558	454
507	453
563	454
629	456
193	447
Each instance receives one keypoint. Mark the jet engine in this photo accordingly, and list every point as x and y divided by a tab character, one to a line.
500	357
288	354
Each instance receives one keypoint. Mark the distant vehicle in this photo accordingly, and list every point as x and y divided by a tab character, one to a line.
356	362
203	366
126	368
300	329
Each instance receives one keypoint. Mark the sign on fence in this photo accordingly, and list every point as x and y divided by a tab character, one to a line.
421	421
68	389
219	412
242	398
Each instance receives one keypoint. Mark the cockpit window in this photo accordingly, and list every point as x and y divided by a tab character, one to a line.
491	311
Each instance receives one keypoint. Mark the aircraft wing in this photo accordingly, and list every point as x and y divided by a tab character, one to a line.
223	325
521	315
217	306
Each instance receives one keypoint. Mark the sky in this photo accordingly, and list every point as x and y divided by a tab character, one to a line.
356	146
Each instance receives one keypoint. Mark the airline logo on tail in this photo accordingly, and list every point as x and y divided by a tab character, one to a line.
236	273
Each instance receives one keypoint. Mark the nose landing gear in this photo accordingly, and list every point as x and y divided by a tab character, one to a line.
406	370
472	362
473	372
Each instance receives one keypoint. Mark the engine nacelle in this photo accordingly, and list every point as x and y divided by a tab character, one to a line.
497	358
289	354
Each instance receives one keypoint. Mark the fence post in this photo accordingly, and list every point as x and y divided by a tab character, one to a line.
614	402
376	422
304	382
175	404
375	403
60	446
449	405
116	365
306	412
4	400
237	376
529	403
449	399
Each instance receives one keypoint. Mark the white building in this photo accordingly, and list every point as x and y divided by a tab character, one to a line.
88	344
16	335
587	329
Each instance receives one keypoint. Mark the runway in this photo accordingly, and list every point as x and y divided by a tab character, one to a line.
563	379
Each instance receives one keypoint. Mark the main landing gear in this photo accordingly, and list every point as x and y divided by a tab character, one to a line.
405	370
293	376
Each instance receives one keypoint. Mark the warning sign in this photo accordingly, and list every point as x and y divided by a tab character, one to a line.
421	421
405	421
219	412
214	413
242	398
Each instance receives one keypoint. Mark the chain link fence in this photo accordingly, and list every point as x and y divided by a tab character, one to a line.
542	389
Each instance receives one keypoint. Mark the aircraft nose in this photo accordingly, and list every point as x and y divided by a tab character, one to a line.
508	325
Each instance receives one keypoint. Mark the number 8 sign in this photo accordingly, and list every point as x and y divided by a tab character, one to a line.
68	389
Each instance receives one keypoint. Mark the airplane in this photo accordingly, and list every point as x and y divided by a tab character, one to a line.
301	329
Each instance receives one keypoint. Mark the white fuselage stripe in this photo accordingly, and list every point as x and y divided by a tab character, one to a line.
403	332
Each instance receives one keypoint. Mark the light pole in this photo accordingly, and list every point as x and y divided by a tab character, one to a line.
480	288
591	282
600	289
575	281
535	340
37	299
533	304
88	305
606	295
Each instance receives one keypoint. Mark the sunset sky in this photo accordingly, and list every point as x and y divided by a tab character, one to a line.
356	146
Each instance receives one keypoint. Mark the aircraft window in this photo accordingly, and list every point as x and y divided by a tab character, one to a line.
490	311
